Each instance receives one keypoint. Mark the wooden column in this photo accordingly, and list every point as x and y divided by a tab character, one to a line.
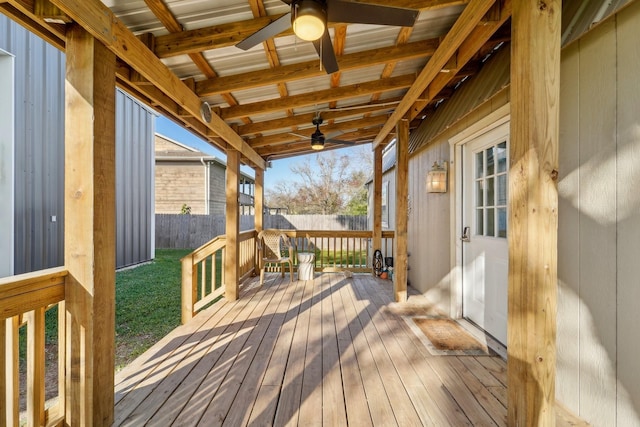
232	232
89	241
258	198
533	215
402	211
377	199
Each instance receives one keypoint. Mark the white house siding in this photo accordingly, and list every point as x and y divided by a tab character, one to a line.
599	224
598	369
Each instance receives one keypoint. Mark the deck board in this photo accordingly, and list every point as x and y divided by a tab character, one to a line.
325	352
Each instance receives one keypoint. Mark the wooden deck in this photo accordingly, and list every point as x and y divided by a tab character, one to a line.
333	351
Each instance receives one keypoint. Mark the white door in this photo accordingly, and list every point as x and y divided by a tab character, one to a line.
484	234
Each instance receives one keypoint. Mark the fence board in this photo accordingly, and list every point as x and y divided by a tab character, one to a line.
191	231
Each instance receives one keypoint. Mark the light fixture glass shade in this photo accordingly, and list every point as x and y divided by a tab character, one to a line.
317	140
437	179
309	20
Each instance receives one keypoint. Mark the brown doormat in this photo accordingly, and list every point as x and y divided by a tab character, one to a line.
446	337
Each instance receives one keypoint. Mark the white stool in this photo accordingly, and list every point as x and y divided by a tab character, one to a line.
306	261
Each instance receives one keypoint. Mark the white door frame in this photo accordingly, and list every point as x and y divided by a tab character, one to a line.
482	126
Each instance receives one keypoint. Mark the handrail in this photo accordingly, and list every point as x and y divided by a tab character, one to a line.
24	300
203	272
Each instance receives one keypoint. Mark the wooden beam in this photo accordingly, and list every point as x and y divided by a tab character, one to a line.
402	211
467	21
232	209
282	138
297	120
318	97
303	70
533	213
50	13
478	38
377	198
24	14
89	228
98	19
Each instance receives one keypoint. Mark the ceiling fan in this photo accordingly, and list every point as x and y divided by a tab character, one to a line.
309	21
318	139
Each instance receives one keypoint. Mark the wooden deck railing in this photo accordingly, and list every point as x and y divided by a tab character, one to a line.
24	301
203	272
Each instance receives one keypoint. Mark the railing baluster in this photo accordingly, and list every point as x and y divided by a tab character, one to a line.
35	367
11	367
62	354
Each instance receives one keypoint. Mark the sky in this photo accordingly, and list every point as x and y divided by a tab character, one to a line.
280	170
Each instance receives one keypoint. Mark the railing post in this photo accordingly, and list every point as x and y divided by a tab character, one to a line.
189	287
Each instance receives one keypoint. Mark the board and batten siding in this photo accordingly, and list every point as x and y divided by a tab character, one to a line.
180	183
431	262
599	224
39	159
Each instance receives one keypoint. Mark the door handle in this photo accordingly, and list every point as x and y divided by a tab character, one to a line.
466	235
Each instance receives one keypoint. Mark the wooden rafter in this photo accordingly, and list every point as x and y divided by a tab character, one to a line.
229	34
466	23
318	97
103	25
302	70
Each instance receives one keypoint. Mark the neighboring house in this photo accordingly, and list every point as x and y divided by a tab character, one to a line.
464	274
32	74
189	180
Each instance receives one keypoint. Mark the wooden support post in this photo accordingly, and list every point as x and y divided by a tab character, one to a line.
402	211
90	213
258	198
232	251
377	200
258	211
533	214
189	288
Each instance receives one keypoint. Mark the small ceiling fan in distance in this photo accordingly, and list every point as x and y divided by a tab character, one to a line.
309	20
318	139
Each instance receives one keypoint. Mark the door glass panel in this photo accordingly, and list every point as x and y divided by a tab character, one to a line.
491	186
502	190
501	155
502	222
490	161
490	223
479	222
479	194
490	192
479	165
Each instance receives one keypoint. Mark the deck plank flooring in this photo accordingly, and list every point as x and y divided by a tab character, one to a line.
333	351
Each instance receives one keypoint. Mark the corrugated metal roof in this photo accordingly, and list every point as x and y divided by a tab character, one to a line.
224	60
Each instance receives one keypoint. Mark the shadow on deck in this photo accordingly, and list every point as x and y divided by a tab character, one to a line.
333	351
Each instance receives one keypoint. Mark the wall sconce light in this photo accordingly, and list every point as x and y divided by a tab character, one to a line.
437	178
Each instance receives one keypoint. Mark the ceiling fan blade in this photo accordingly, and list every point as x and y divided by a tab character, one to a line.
324	47
362	13
265	33
340	141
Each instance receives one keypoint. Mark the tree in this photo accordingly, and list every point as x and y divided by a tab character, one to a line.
330	184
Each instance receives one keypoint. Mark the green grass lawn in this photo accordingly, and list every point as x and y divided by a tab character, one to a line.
147	304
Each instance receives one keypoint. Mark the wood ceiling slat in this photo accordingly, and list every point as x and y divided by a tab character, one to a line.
229	34
318	97
308	69
327	129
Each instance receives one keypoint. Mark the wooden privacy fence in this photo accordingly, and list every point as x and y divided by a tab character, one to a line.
177	231
203	278
24	302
